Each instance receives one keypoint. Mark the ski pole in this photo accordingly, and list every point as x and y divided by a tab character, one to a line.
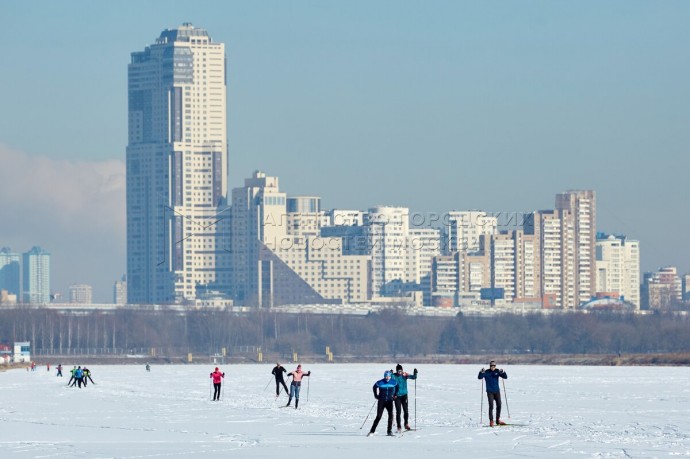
309	379
505	394
415	404
481	404
210	389
365	419
269	382
223	389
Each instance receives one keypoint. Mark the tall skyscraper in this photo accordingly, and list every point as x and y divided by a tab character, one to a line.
581	205
566	238
9	271
36	276
177	168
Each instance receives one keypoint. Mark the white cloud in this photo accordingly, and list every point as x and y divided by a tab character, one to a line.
73	209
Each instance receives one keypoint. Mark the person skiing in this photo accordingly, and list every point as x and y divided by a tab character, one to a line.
148	367
278	371
78	377
87	375
217	377
493	391
71	378
400	401
48	367
59	370
385	391
296	384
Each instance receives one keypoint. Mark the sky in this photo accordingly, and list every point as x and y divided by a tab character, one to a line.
572	412
435	106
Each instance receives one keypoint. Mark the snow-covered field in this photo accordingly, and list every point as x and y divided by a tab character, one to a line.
167	413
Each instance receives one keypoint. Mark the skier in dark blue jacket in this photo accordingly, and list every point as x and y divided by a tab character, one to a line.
493	391
385	391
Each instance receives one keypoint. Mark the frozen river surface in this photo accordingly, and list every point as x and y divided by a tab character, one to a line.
167	413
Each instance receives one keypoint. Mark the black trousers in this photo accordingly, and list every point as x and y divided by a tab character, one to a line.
388	406
494	396
401	403
216	391
278	383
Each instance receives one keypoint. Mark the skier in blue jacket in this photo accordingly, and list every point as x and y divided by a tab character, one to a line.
401	378
385	391
493	391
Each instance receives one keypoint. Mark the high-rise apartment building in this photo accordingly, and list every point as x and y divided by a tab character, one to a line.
36	276
618	267
258	219
80	294
280	257
388	233
10	263
565	241
463	230
581	205
177	168
120	291
663	289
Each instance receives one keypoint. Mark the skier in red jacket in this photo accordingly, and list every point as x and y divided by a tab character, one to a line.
217	377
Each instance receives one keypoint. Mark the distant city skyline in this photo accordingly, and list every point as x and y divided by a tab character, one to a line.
456	107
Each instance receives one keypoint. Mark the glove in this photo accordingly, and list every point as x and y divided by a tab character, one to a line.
415	371
223	375
482	370
309	373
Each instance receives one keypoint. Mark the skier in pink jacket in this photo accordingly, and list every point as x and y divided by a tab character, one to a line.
296	384
217	377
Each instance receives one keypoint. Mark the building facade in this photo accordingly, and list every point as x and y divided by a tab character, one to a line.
177	168
10	269
80	294
36	276
120	291
618	267
463	229
388	239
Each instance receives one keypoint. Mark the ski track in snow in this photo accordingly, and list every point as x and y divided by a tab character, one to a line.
582	412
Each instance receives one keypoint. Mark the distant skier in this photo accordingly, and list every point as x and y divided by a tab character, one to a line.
48	367
217	377
385	391
401	400
59	370
493	391
71	378
278	371
148	367
87	375
78	377
296	384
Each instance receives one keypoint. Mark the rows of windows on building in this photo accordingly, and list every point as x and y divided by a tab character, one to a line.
190	240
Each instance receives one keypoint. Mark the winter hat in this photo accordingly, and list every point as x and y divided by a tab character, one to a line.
398	367
387	374
299	366
216	368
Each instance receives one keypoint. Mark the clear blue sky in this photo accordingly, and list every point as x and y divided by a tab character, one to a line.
431	105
